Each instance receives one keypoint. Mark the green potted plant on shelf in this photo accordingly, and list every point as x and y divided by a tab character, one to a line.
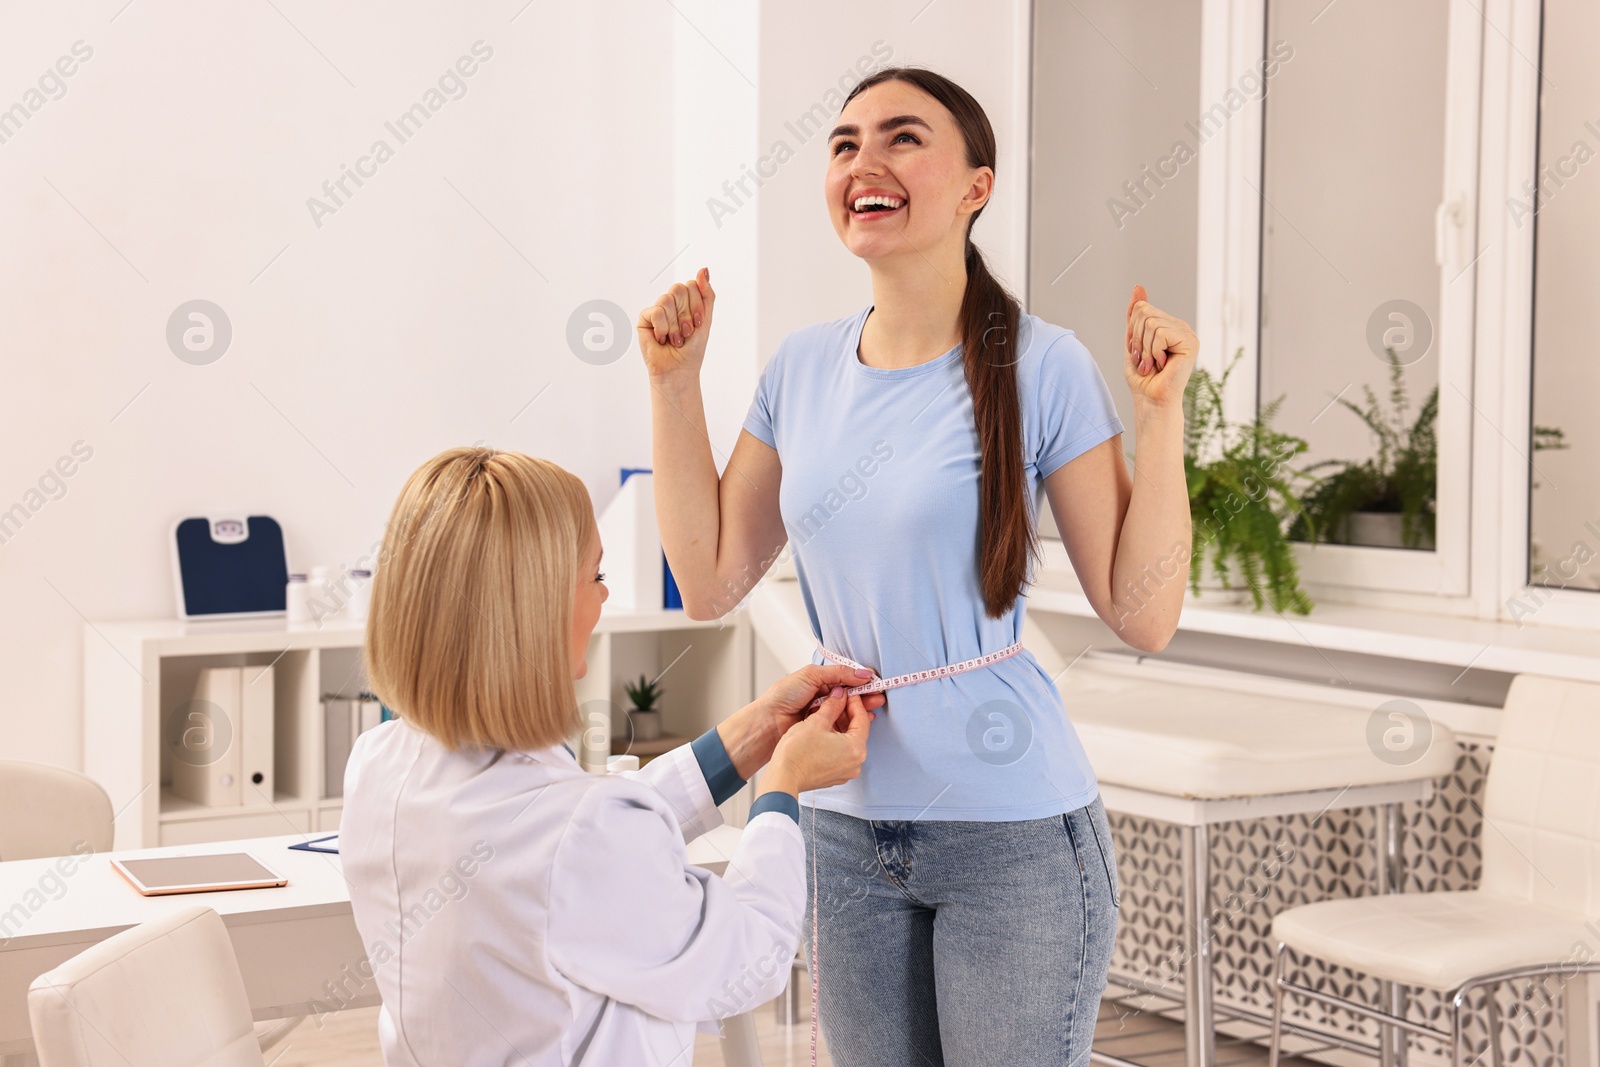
1548	437
644	715
1241	495
1388	500
1553	438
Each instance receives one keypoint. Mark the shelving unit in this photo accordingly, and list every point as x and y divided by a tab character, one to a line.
704	669
135	674
647	750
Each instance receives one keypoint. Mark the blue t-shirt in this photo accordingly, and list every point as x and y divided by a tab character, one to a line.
880	501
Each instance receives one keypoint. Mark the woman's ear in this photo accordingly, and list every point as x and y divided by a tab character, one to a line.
977	194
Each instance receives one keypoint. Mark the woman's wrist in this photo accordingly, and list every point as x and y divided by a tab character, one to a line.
676	382
1146	411
742	737
777	779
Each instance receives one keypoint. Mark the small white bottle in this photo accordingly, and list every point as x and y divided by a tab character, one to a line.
327	601
359	582
297	599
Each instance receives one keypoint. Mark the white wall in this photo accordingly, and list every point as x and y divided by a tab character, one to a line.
432	305
716	82
177	165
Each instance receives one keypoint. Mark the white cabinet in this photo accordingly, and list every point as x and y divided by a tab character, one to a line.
138	675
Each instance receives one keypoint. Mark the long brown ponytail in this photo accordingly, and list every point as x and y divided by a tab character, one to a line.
1007	542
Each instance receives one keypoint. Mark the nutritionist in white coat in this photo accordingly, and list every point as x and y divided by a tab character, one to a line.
516	909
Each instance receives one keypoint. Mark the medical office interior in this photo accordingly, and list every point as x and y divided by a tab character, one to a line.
261	260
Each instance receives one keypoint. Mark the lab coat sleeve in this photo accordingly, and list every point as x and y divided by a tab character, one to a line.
631	920
677	775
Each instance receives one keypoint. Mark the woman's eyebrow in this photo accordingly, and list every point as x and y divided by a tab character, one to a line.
883	127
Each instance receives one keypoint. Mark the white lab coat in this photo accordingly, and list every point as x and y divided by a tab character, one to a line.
518	910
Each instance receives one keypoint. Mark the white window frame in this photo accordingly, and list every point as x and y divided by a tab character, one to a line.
1505	318
1444	580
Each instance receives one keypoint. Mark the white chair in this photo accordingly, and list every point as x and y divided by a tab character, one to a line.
166	992
47	811
1540	884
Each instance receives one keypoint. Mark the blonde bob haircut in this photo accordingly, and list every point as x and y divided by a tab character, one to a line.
469	631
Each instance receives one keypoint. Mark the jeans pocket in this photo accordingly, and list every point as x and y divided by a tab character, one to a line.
1107	845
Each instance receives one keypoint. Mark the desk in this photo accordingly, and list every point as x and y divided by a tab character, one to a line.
1196	755
297	945
1195	815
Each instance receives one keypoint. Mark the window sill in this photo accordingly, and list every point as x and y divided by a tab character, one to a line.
1482	644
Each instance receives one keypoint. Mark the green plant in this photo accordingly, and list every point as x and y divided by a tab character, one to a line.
1552	438
644	693
1403	477
1240	501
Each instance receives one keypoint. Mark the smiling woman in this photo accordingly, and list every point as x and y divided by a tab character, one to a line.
976	767
873	218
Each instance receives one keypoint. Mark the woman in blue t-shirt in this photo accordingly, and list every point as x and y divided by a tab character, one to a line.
966	893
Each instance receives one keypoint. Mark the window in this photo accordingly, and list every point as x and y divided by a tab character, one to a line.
1115	186
1366	197
1313	184
1561	203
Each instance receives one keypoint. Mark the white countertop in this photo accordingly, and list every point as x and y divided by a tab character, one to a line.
1212	741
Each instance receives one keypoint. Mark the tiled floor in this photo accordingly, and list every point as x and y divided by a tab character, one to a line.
349	1039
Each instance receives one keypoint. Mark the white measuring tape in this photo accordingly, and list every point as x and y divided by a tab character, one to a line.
876	685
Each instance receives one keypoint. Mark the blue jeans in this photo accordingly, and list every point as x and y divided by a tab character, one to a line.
962	943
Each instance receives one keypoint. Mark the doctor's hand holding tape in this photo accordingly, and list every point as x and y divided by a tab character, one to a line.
507	898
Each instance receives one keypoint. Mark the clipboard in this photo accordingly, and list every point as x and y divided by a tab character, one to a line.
320	844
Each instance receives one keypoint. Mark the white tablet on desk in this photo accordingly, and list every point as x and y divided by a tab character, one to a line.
197	874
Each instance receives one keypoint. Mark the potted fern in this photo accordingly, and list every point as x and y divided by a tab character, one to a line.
1551	438
644	715
1241	495
1388	500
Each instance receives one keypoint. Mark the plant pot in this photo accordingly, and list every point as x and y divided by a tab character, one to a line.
646	724
1378	529
1213	593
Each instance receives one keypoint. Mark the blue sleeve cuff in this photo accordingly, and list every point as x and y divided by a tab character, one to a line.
712	756
777	801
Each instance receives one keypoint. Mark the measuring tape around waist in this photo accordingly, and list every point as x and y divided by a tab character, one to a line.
876	685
